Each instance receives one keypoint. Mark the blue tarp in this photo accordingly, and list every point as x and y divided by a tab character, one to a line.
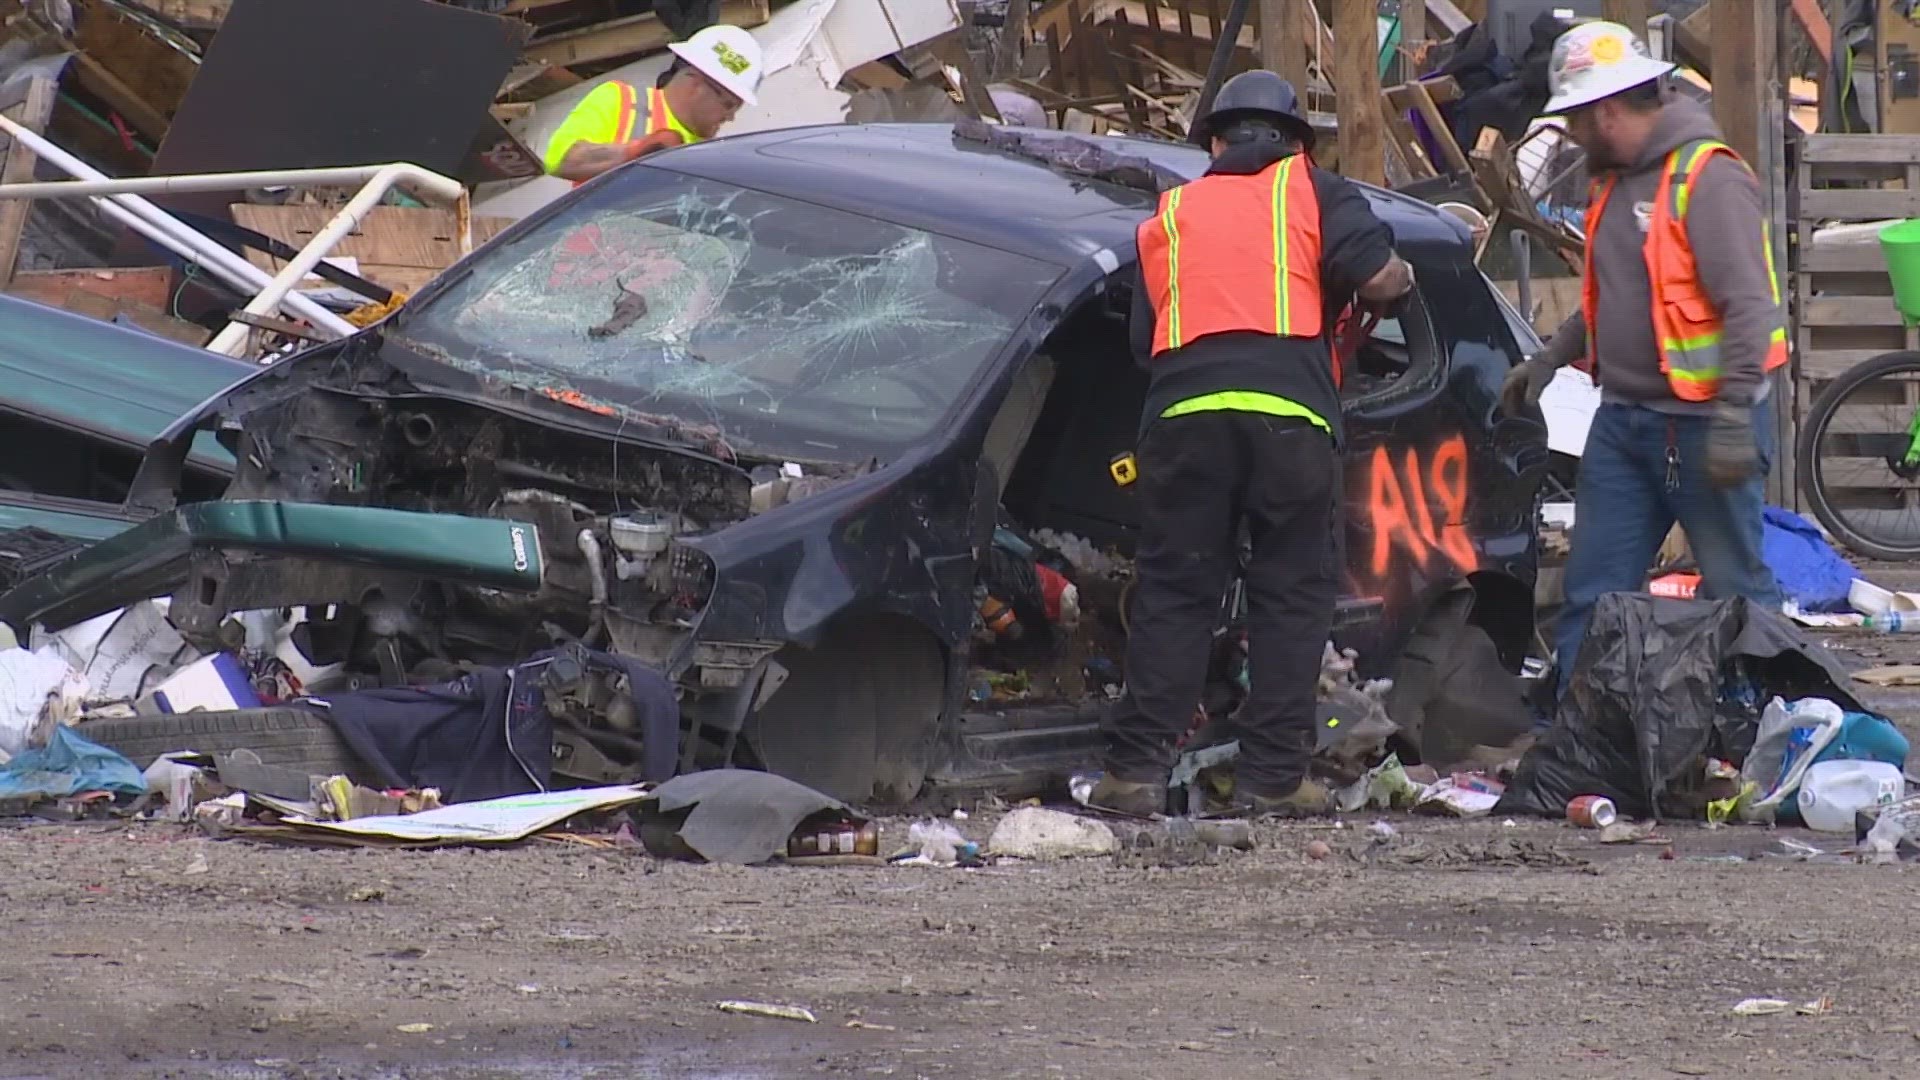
68	765
1808	569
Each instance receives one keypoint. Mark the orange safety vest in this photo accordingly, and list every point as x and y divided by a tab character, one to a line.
1229	253
1686	327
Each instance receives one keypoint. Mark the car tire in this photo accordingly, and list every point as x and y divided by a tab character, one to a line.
291	738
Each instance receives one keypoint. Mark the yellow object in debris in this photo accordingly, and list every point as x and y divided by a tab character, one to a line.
1124	469
368	314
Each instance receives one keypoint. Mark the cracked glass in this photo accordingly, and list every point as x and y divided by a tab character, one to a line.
782	325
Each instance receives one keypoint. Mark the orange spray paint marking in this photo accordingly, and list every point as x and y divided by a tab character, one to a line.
1449	472
1387	508
1402	514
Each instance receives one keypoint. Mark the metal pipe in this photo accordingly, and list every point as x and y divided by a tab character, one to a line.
1226	38
233	339
171	233
425	181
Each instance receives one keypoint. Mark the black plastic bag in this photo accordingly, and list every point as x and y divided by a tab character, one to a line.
1645	704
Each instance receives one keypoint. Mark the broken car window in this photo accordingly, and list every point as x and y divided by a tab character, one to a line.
788	326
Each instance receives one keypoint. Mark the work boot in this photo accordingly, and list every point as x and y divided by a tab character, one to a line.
1307	800
1141	799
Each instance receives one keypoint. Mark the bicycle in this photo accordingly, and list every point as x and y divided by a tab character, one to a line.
1858	456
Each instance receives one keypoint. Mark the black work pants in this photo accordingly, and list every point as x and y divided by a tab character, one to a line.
1201	476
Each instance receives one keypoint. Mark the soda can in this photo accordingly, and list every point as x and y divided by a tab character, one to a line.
1592	811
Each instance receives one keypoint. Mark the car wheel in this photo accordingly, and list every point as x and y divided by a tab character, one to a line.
858	714
288	737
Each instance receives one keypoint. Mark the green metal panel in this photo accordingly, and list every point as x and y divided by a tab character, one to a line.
66	523
122	385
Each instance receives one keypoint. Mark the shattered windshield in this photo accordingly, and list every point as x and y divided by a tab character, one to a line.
786	326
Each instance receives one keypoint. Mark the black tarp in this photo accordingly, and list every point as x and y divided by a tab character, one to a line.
1646	704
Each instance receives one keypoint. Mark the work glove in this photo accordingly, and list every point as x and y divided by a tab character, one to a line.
1733	455
1524	385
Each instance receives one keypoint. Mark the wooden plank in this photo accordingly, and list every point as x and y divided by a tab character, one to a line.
149	285
34	114
1833	363
1849	311
407	236
635	34
120	97
1842	258
1861	149
194	14
1449	16
1413	22
1866	204
1282	48
1819	31
1356	71
1631	14
1745	62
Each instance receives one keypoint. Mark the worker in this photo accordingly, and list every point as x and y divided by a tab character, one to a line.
1680	313
1241	275
714	73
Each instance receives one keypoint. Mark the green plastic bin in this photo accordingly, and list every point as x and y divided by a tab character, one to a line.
1900	243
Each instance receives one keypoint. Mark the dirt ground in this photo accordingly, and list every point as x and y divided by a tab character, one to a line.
153	952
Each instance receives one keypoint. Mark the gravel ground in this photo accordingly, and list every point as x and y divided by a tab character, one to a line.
1458	950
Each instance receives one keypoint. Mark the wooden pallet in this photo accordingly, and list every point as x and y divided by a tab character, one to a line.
1843	298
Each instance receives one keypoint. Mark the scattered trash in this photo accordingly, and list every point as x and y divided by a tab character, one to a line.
367	894
862	1025
27	682
1080	786
1231	833
959	814
1786	847
339	799
1622	832
1039	833
414	1029
939	844
494	821
1318	850
1890	832
68	765
1461	795
198	865
772	1012
1890	675
733	816
1592	811
1779	1006
834	836
1386	786
1834	791
1382	830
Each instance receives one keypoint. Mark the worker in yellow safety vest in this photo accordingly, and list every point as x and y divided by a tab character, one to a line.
714	73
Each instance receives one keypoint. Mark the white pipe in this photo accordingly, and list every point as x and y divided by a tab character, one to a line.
424	181
233	339
173	233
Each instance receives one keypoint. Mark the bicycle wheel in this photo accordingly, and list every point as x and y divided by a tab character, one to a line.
1858	457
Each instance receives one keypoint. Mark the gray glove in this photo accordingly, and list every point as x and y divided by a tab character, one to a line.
1524	385
1733	455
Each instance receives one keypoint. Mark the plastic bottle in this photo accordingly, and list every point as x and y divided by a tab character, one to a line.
1834	791
1894	622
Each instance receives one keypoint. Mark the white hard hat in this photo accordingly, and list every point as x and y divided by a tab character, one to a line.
729	56
1597	60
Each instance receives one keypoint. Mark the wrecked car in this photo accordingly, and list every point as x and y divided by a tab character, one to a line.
771	403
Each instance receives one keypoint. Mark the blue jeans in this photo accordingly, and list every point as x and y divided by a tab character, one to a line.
1624	508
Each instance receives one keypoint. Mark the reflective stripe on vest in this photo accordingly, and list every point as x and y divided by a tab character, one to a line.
1686	327
1229	253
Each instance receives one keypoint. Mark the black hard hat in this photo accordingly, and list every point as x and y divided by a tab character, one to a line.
1256	95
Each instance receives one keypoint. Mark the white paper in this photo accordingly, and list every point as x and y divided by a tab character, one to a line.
494	821
124	653
1569	403
26	681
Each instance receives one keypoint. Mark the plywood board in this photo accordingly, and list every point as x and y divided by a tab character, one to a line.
391	235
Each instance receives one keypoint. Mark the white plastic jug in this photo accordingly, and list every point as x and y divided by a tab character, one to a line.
1834	790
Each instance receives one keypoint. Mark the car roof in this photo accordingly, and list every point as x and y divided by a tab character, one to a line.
924	176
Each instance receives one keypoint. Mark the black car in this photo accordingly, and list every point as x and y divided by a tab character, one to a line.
769	401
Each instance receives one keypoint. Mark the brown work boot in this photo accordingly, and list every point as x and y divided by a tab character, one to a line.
1141	799
1307	800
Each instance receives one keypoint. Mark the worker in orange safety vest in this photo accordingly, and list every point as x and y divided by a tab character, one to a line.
1242	273
1681	318
715	72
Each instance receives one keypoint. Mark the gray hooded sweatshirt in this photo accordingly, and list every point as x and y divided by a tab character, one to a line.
1724	218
